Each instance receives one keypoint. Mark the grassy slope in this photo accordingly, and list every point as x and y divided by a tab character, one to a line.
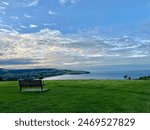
78	96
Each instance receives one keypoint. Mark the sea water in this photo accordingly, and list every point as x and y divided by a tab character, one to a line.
113	72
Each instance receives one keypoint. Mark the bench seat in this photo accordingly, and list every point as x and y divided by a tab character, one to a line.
31	84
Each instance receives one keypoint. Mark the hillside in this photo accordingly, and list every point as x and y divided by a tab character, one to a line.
6	74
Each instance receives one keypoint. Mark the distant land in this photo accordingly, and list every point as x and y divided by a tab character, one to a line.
10	74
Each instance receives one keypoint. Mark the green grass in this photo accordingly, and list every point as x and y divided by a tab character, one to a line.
78	96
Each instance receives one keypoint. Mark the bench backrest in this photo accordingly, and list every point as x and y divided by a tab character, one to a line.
35	83
24	83
30	83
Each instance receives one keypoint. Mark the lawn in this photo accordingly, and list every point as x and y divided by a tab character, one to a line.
78	96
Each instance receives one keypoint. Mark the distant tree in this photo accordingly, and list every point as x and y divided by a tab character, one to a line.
1	78
125	77
144	78
129	78
41	76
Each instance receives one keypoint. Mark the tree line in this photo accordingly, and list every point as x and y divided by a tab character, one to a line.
126	77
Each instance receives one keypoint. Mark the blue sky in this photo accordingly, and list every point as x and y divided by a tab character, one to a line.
74	33
70	16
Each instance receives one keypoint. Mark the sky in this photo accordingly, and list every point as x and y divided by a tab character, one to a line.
74	33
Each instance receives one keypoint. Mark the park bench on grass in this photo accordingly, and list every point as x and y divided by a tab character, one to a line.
31	84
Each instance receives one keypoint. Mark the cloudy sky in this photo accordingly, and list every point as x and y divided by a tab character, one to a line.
74	33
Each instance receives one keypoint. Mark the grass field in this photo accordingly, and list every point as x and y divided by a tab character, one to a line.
78	96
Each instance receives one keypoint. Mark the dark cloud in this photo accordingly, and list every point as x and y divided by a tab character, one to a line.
17	62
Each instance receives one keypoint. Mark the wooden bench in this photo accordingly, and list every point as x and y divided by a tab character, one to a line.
31	84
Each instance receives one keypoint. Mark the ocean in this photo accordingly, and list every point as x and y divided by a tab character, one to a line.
113	72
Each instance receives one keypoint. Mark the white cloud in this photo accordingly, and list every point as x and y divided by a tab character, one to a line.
63	2
6	31
14	17
25	3
3	12
33	26
50	48
52	12
27	16
3	6
5	3
23	26
49	24
2	9
32	3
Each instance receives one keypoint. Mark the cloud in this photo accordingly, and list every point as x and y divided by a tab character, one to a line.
6	29
33	26
16	62
49	24
51	48
3	12
24	3
23	26
64	2
5	3
50	12
27	16
32	3
14	18
3	6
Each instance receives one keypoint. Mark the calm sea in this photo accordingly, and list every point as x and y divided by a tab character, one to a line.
107	73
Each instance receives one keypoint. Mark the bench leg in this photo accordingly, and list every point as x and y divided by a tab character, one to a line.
20	89
41	88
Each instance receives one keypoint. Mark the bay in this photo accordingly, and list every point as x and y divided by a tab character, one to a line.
104	74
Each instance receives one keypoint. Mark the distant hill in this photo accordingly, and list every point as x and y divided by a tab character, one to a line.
8	74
